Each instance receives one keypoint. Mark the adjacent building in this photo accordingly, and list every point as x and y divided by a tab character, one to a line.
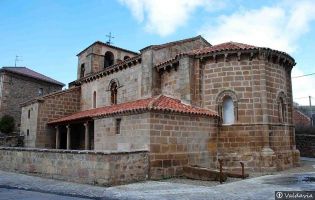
20	84
187	102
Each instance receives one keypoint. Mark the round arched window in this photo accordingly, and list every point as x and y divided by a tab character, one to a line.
228	110
108	59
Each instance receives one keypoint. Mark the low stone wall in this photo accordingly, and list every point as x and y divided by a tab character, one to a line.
11	141
90	167
306	144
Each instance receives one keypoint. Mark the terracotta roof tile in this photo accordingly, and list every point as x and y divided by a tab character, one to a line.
159	103
24	71
223	47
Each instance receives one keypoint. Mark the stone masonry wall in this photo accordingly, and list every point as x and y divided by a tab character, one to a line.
129	88
134	133
29	119
51	107
180	140
255	85
89	167
18	89
306	144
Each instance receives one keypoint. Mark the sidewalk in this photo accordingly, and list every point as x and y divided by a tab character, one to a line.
254	188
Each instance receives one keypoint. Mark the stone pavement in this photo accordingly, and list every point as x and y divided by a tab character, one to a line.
255	188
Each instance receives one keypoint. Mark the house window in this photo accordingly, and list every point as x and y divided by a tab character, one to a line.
40	91
94	99
228	110
108	59
82	70
113	93
29	114
118	121
27	132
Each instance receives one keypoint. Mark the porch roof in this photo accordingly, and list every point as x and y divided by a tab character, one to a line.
158	103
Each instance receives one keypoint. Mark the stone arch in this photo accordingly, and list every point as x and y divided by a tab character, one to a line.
114	80
227	98
282	104
113	88
108	59
126	57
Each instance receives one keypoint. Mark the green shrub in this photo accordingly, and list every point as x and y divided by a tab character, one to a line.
7	124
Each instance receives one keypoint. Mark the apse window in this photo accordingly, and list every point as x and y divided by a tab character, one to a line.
228	110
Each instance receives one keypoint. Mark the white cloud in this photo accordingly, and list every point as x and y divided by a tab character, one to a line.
278	26
302	87
164	16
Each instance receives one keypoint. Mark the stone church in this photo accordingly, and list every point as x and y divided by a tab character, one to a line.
187	102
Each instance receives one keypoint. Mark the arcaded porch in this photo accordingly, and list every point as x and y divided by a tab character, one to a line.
75	136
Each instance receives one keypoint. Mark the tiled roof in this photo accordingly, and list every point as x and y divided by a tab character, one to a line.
227	46
24	71
111	46
300	118
156	47
158	103
222	47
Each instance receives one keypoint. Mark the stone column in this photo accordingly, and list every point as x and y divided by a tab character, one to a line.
68	136
87	136
57	138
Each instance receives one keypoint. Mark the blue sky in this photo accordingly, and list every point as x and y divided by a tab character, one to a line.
48	34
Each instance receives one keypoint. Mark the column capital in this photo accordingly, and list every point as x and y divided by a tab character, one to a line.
56	127
86	124
68	126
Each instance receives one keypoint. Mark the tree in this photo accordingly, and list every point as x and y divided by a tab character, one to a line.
7	124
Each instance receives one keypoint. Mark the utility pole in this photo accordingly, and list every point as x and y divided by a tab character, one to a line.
310	99
109	38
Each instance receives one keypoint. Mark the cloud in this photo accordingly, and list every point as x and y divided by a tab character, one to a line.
164	16
307	83
279	26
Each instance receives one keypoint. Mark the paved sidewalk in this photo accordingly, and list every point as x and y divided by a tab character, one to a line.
20	186
255	188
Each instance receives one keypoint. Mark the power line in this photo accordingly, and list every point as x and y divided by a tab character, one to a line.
304	75
301	98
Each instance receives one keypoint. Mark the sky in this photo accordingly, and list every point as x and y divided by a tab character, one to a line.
48	34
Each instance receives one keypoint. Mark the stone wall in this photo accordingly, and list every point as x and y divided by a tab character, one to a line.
129	81
254	85
29	119
180	140
18	89
134	133
50	107
100	168
11	141
174	140
306	145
